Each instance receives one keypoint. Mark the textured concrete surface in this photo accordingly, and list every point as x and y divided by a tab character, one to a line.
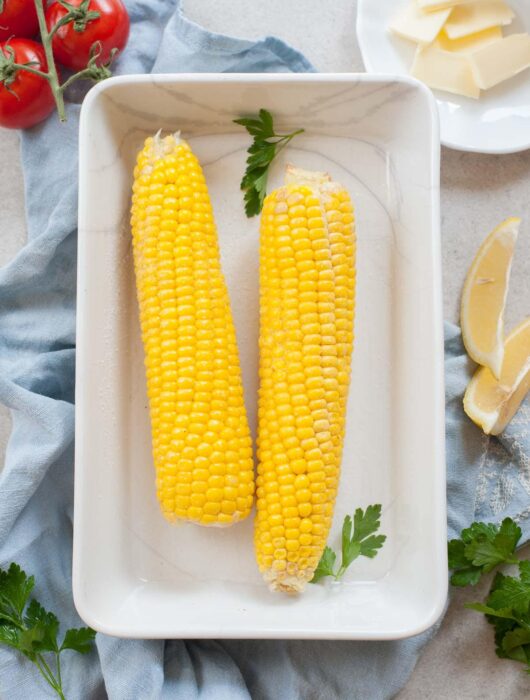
477	193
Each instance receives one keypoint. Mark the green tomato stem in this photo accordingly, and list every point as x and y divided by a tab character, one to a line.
29	69
86	73
64	20
53	76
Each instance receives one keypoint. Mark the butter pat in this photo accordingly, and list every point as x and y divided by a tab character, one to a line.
474	17
500	61
414	24
469	43
430	5
444	70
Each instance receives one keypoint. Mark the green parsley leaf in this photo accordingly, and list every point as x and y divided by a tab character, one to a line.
501	613
79	639
15	589
516	644
37	617
372	545
29	640
511	593
476	530
502	627
350	550
507	608
488	552
261	153
481	548
357	540
361	542
508	537
366	523
465	574
325	566
9	635
267	122
32	630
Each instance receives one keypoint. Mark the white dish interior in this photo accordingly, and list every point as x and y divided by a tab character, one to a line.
134	574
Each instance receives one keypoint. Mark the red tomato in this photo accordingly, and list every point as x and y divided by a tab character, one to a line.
72	47
18	18
27	99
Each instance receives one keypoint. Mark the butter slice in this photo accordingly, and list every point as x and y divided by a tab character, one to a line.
469	43
445	70
500	61
431	5
414	24
476	16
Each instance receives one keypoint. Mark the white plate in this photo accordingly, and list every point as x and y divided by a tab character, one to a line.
499	122
134	574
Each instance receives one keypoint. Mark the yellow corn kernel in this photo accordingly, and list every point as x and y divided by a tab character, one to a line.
307	299
201	440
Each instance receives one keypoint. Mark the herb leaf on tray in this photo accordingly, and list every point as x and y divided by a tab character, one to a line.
265	147
358	540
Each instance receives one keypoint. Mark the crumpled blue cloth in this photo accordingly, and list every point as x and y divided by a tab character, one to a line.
487	478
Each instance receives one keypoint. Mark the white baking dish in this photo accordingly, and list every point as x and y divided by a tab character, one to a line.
134	574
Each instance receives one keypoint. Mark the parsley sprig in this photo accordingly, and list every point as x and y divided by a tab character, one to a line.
31	630
481	548
265	147
358	540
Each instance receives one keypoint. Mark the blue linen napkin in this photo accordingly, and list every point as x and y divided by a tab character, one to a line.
487	478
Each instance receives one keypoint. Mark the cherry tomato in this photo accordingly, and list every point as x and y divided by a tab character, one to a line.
18	18
25	98
71	47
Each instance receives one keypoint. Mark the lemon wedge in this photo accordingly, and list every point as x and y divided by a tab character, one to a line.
492	403
484	297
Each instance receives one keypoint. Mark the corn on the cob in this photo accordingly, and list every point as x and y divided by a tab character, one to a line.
307	297
201	440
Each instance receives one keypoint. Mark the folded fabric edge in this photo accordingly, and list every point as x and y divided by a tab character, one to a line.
196	37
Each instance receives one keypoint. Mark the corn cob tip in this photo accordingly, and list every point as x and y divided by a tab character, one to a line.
158	146
165	144
320	182
280	583
299	176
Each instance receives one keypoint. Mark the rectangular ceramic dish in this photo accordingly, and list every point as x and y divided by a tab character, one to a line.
134	574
